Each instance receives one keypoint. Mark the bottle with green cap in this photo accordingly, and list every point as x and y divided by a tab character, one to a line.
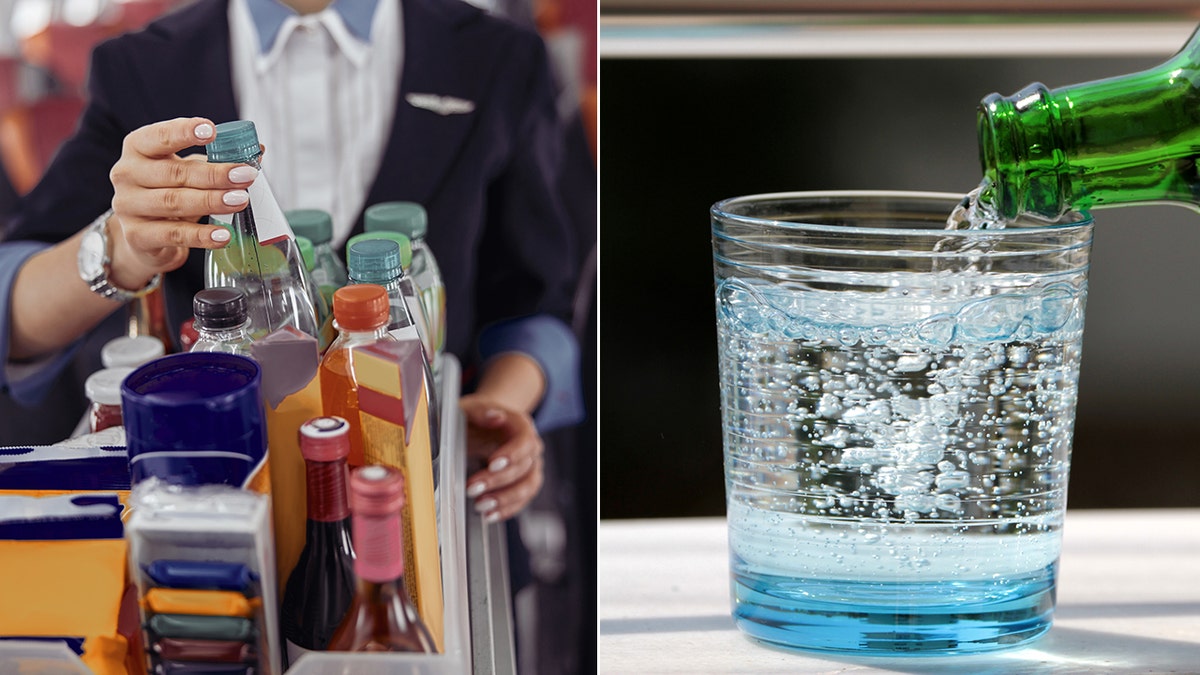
324	311
410	219
328	270
380	260
1131	139
262	257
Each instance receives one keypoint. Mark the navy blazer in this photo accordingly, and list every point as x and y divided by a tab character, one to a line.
489	178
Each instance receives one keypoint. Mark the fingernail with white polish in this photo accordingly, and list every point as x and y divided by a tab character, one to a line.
203	131
476	489
220	235
243	174
485	505
491	517
498	465
235	197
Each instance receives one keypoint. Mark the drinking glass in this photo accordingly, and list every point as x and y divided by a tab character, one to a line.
897	408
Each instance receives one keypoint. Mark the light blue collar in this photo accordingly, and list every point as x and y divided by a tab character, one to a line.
269	15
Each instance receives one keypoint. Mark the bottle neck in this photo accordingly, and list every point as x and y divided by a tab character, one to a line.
326	490
1109	142
236	334
356	336
379	548
382	592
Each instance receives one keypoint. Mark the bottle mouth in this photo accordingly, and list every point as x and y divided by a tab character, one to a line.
993	120
1023	155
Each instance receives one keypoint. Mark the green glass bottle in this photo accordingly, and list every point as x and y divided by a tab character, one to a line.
1122	140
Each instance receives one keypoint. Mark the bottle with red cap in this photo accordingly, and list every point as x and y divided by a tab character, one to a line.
382	617
321	585
360	313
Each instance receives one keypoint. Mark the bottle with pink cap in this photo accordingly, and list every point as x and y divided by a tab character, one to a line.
382	617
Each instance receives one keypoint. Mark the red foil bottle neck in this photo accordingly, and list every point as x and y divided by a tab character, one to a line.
327	491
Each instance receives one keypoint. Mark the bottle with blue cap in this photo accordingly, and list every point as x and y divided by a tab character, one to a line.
381	261
411	220
262	257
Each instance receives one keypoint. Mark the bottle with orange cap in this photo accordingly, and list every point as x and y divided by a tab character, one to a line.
360	314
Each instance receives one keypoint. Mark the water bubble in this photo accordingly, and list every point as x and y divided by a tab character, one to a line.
937	330
918	453
1055	308
855	415
906	406
949	502
920	503
944	408
797	329
829	406
995	318
953	479
899	481
836	438
911	363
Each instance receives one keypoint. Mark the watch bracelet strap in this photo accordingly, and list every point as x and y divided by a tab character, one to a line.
104	287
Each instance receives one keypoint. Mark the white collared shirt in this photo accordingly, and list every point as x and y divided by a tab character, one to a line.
323	102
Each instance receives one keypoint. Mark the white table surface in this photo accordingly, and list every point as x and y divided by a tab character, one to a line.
1128	602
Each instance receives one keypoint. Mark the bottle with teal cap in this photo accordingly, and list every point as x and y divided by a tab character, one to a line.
381	258
262	257
328	270
411	220
1131	139
376	260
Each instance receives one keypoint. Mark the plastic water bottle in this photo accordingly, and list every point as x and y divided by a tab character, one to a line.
410	219
262	257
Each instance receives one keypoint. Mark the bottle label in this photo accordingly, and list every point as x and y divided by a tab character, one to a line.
268	216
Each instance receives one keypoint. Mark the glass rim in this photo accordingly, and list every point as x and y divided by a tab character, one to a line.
720	212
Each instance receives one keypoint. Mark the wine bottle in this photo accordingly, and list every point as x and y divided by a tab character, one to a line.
147	316
321	585
381	617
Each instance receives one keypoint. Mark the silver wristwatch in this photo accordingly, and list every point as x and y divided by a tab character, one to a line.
95	260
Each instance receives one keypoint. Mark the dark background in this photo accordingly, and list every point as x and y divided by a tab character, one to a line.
679	135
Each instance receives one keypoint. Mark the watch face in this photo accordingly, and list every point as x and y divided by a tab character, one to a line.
91	256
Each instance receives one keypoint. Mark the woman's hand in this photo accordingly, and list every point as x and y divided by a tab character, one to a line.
508	444
159	197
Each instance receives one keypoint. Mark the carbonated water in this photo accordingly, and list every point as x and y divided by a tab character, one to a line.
897	456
